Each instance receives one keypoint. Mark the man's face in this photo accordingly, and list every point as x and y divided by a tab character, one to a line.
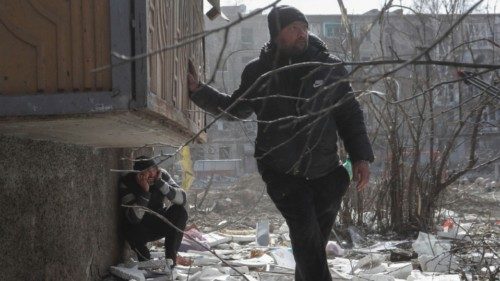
293	39
151	174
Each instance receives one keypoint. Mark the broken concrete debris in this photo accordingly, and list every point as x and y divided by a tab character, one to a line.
283	257
434	254
128	273
398	255
334	249
276	262
400	270
440	263
264	253
155	269
369	263
417	275
428	244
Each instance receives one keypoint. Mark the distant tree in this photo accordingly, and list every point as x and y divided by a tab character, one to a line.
420	115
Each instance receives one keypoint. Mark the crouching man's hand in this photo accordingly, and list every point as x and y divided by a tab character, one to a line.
142	180
175	194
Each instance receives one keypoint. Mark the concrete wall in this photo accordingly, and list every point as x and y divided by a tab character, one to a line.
58	211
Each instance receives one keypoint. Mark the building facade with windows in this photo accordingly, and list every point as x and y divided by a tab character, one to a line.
398	36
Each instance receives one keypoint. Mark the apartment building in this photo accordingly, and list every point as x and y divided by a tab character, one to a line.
76	93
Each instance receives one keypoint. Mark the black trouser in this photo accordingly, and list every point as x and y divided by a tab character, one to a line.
151	228
309	208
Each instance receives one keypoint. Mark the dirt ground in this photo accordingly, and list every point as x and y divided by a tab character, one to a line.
472	199
239	206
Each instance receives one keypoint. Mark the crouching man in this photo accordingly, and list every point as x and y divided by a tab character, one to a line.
148	187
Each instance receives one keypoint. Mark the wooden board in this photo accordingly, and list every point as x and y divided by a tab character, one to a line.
171	22
51	46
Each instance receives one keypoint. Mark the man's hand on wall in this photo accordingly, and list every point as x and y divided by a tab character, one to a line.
361	173
192	78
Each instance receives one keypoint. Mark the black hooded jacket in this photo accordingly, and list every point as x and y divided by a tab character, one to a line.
300	111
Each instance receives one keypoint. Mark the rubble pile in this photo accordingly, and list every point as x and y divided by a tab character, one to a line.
448	255
479	196
236	240
238	206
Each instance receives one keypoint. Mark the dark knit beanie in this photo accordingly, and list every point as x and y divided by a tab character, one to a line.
142	163
281	16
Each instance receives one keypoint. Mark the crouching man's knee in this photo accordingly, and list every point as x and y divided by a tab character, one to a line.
178	215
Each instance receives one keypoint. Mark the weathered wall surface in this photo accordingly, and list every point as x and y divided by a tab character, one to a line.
58	211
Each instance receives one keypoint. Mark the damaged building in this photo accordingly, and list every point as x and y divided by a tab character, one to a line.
77	96
72	100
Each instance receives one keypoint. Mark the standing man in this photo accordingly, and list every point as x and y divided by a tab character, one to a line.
148	187
300	111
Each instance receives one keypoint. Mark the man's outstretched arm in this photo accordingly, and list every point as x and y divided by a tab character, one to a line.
215	102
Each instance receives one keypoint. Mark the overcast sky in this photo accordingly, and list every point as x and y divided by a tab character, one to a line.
331	6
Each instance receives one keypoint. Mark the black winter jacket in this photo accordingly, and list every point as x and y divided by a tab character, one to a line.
300	111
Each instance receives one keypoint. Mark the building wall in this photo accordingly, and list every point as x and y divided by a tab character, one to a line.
58	211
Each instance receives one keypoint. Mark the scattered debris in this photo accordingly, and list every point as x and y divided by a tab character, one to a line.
334	249
262	238
398	255
128	273
283	258
356	237
417	275
141	271
255	242
372	263
188	244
